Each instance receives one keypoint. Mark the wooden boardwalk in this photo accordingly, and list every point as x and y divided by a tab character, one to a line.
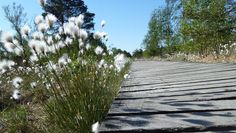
175	97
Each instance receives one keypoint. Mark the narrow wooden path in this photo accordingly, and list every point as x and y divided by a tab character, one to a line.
175	97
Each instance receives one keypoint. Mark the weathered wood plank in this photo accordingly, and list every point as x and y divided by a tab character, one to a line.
154	106
160	93
196	121
178	87
192	77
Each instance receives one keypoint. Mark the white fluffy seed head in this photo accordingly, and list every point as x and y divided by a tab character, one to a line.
34	57
38	36
103	23
126	76
9	46
16	95
83	34
79	20
50	40
42	27
40	47
99	35
68	41
7	37
95	127
64	60
98	50
17	81
6	65
88	47
51	19
33	84
39	19
18	50
25	30
96	35
120	61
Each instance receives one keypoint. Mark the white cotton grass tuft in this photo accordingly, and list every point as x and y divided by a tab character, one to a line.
34	58
70	29
98	50
68	41
16	95
99	35
42	27
120	61
51	66
50	40
33	85
71	20
79	20
50	19
110	52
95	127
39	19
7	37
17	81
103	23
40	47
18	50
9	46
37	36
126	76
88	46
25	30
83	34
64	60
6	65
102	63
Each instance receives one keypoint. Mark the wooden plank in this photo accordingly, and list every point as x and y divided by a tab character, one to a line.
196	121
178	87
154	106
159	79
208	69
160	93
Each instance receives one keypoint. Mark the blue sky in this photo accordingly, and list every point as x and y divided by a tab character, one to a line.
126	20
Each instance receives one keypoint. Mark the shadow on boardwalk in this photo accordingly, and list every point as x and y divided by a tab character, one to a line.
175	97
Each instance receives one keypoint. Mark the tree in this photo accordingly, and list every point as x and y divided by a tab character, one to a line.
152	39
116	51
17	17
138	53
208	23
167	28
64	9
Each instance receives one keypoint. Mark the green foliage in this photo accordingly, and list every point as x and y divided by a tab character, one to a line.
161	30
86	99
16	120
207	24
64	9
191	26
153	37
120	51
138	53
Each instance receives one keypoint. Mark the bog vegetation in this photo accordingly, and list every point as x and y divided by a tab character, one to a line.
198	27
58	75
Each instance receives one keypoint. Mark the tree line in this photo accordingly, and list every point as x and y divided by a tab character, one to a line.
190	26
